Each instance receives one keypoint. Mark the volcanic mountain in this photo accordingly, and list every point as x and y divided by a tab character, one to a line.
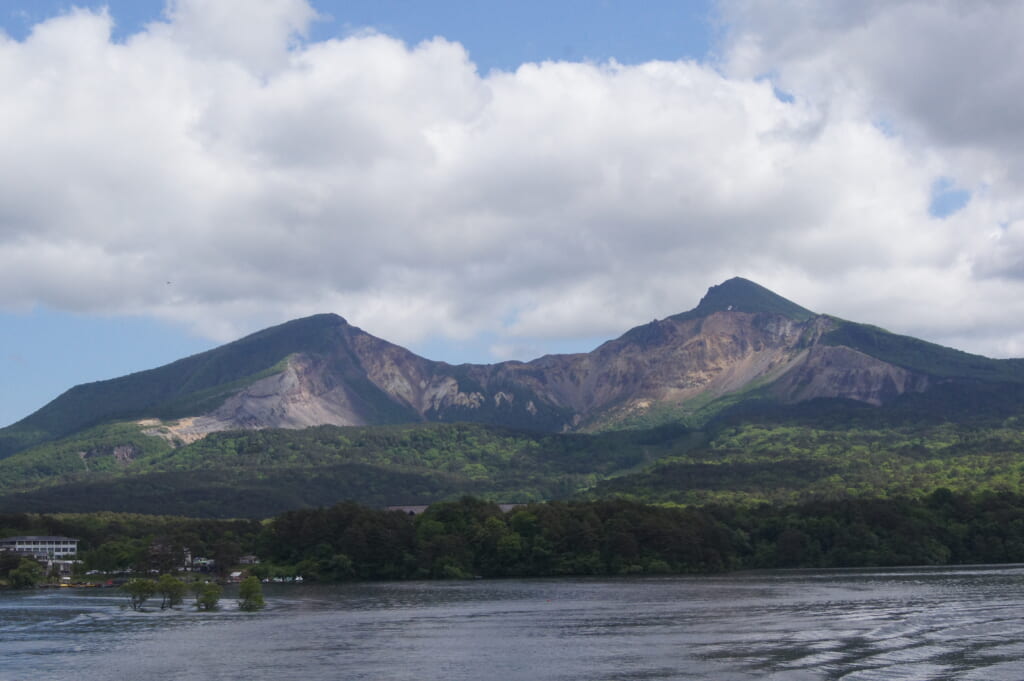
741	341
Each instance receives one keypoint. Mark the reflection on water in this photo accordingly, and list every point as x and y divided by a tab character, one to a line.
941	623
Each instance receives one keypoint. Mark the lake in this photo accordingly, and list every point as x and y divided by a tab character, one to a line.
909	623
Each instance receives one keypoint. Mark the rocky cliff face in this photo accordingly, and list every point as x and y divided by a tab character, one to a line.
687	359
741	340
827	371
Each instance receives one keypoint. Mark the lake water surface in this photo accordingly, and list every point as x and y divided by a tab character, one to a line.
913	623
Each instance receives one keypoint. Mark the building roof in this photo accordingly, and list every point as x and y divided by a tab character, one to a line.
7	540
416	510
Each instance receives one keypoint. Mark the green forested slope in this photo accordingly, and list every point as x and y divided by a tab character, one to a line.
258	473
965	438
774	455
922	356
188	386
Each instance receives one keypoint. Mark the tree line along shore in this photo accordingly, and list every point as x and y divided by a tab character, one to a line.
474	538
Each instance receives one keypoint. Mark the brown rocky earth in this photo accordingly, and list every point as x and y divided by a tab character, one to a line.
679	361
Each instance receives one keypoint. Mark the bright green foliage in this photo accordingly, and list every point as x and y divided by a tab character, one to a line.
753	454
259	473
139	591
743	447
779	455
171	590
250	594
834	450
207	595
965	436
103	450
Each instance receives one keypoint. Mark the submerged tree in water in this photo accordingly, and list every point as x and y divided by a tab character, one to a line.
207	595
139	591
172	591
250	594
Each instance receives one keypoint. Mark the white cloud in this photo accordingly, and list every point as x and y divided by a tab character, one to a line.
266	177
944	69
942	78
257	35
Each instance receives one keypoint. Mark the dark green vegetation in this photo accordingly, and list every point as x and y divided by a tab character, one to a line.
821	450
259	473
250	594
171	590
833	450
188	386
207	595
471	537
958	427
17	572
928	358
94	452
753	453
778	469
121	541
139	591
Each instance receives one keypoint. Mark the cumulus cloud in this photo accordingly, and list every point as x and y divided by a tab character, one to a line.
257	35
945	70
941	78
218	170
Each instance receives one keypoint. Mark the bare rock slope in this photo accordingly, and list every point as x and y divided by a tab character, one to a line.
741	341
757	341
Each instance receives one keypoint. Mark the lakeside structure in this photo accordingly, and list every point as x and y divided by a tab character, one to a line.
43	548
58	554
417	509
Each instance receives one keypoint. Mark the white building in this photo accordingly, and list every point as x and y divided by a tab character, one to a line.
44	548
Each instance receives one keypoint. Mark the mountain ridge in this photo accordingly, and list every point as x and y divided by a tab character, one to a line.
741	340
742	295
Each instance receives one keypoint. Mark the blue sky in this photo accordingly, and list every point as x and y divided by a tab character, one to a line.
44	350
482	181
497	33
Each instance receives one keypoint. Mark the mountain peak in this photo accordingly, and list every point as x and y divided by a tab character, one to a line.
322	319
742	295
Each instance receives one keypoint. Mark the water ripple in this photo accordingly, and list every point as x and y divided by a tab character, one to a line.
934	624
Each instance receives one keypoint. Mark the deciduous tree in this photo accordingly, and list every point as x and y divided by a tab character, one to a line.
26	575
171	590
250	594
207	595
139	591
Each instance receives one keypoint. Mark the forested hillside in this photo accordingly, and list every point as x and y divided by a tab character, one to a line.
824	451
747	398
259	473
471	537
